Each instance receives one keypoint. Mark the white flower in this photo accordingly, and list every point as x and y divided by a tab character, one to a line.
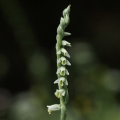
62	71
64	61
65	43
59	93
54	107
61	81
64	51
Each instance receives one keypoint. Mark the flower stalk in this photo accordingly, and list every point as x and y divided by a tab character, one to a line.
62	72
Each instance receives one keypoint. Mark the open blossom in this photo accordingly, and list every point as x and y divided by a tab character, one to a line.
65	43
64	51
61	81
64	61
59	93
54	107
62	71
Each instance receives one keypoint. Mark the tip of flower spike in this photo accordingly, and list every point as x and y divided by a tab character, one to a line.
66	11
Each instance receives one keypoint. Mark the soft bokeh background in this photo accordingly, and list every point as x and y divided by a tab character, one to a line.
28	59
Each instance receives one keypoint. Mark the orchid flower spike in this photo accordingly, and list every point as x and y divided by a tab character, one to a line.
62	72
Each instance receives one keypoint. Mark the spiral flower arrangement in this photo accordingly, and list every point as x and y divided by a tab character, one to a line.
62	72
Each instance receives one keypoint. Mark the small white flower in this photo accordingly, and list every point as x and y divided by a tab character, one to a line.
59	93
64	61
64	51
65	43
62	71
54	107
61	81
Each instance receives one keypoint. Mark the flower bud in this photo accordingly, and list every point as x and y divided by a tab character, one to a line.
60	30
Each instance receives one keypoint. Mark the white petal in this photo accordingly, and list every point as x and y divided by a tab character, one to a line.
63	94
62	78
64	43
67	33
64	51
57	81
58	61
66	82
67	55
57	94
59	52
66	71
54	107
63	58
68	63
58	71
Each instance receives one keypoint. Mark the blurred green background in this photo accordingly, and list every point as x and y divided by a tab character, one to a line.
28	59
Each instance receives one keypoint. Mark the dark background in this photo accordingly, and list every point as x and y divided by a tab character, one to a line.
28	58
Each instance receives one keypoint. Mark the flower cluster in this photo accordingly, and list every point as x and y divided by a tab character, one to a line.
62	61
